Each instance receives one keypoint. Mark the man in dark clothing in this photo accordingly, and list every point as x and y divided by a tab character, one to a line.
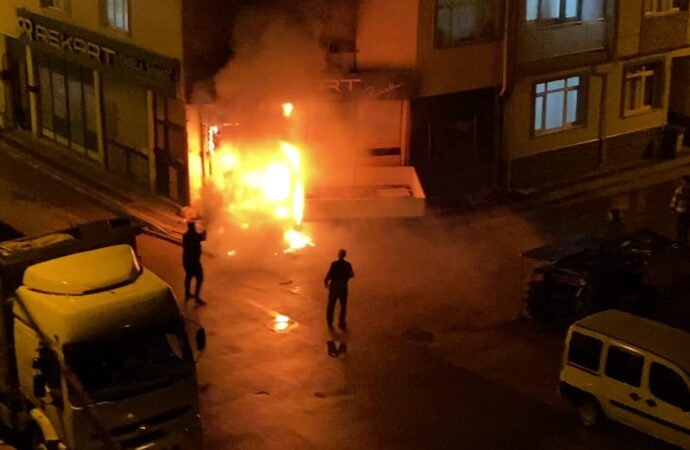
336	280
680	204
191	261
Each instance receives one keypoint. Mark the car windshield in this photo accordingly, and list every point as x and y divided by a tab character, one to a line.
135	362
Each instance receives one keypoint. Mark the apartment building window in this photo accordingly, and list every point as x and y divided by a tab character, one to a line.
117	14
53	4
643	88
553	10
459	21
654	7
557	104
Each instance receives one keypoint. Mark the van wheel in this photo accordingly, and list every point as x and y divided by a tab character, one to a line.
589	412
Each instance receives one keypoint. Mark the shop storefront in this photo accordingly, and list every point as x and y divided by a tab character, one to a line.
107	101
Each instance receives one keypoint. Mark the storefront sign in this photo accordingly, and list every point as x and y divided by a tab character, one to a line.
372	86
95	50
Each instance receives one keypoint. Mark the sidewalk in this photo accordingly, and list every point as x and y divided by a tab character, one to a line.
161	217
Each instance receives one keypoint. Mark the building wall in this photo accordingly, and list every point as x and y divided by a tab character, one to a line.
387	34
155	25
629	21
466	67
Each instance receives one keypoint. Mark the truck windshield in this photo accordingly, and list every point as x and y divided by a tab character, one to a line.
133	363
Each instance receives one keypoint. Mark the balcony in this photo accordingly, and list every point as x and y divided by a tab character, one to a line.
660	32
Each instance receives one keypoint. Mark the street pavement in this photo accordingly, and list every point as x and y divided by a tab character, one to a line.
436	356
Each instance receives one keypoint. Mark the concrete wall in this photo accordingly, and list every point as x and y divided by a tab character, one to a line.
629	20
387	34
466	67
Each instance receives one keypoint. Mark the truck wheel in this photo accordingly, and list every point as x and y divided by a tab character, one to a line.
589	412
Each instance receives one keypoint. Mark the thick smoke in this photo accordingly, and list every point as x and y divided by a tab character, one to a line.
279	57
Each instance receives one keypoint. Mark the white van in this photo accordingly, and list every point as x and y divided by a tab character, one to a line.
631	370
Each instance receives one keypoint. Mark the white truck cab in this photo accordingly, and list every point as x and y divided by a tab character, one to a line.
631	370
98	356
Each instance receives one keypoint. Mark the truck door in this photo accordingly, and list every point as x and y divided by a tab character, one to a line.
27	345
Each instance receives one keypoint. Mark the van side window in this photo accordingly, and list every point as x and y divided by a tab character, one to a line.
624	366
584	351
667	385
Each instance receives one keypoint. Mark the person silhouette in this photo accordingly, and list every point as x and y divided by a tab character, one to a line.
191	261
337	278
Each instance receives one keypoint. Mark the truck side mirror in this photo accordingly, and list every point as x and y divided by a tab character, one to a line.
39	386
201	339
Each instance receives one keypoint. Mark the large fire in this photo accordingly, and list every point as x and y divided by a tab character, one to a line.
261	184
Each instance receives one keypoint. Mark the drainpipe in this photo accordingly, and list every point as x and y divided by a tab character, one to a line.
503	169
601	137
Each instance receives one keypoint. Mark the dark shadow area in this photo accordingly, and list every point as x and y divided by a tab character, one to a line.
7	232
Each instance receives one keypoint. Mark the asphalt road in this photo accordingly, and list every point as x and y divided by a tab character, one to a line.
435	356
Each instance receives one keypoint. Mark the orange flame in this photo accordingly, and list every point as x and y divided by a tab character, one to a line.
262	184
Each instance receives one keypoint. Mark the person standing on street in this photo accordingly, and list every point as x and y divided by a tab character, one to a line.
336	281
680	204
191	261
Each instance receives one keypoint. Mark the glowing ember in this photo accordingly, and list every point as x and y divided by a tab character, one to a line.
261	184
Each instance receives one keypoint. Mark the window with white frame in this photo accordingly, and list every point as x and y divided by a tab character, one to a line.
553	10
652	7
642	87
458	21
53	4
117	14
557	104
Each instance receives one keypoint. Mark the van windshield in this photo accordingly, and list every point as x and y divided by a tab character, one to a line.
132	363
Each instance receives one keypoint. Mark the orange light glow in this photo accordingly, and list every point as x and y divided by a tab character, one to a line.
261	184
287	109
281	323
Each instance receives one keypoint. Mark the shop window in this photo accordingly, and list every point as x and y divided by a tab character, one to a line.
624	366
643	87
660	7
554	11
54	4
117	14
458	21
171	147
557	104
584	351
667	385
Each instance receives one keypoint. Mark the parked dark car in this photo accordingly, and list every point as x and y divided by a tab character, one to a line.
576	277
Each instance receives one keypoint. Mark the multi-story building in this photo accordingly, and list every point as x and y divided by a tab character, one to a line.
109	79
567	89
507	94
595	84
114	81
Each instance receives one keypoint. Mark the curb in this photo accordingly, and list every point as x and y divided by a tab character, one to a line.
73	181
